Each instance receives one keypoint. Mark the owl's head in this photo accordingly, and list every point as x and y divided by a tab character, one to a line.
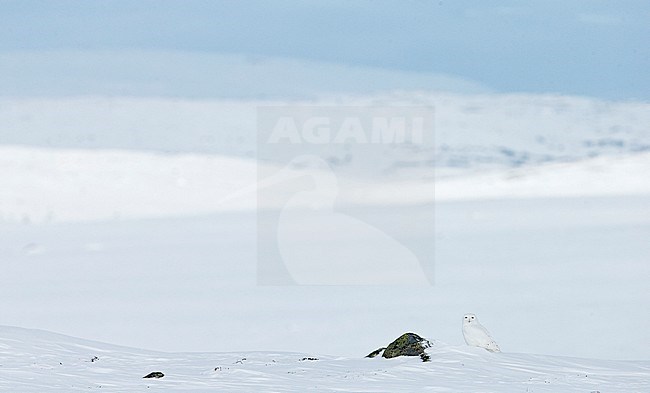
469	318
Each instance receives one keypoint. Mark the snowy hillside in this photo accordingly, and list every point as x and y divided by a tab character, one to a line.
601	176
36	361
59	185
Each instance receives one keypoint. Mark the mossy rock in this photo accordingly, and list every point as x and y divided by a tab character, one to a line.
408	344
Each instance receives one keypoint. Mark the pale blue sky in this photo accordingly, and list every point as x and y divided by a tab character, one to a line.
595	48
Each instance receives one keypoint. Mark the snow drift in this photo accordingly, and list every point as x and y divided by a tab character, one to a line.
36	361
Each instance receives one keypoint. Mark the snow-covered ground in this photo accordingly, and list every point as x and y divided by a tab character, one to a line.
135	221
37	361
54	185
552	276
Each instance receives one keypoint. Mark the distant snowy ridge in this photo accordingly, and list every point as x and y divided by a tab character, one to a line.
40	361
470	132
601	176
102	158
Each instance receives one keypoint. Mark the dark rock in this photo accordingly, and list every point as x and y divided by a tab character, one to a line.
311	359
408	344
376	352
155	374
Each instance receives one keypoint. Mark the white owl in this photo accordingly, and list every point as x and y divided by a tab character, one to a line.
476	335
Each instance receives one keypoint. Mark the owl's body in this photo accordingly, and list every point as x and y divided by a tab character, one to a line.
476	335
